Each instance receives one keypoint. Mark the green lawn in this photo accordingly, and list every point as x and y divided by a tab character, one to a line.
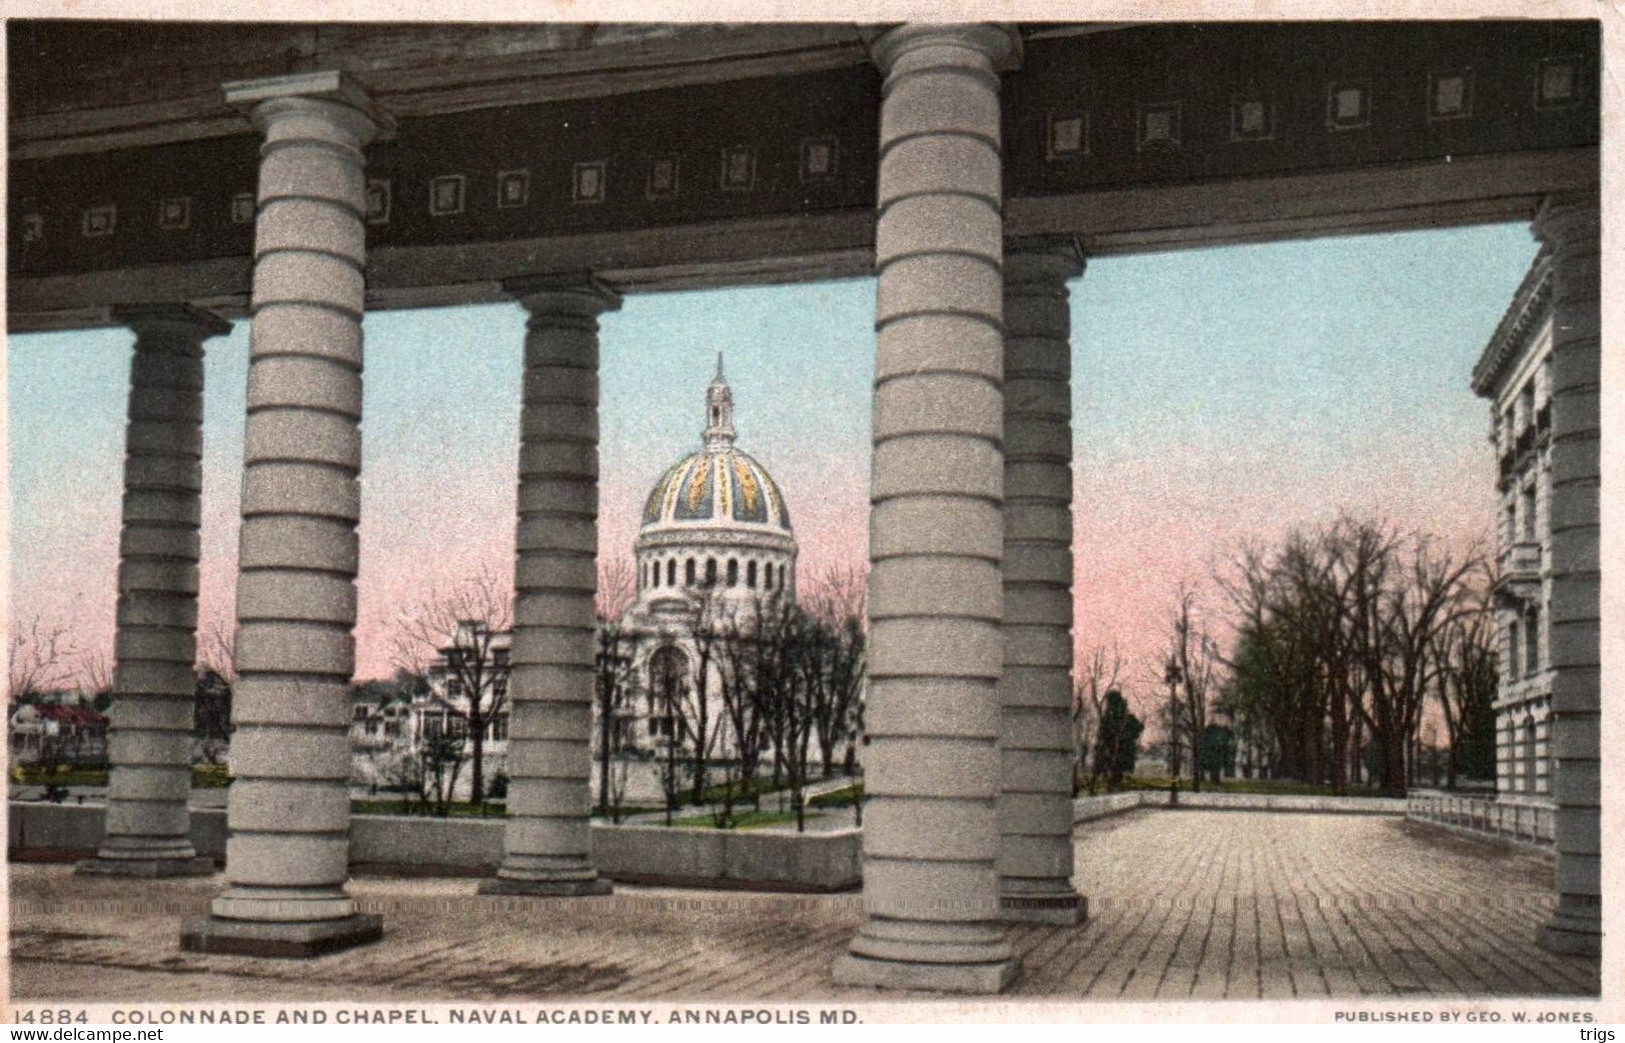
742	819
844	797
456	809
204	776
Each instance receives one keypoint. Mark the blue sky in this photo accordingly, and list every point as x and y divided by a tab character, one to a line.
1217	393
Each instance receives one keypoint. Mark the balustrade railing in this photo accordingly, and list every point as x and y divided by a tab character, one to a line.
1527	823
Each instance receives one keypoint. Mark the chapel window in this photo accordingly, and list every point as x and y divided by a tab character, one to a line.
750	575
733	572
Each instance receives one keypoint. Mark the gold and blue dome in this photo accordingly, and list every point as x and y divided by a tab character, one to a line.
719	484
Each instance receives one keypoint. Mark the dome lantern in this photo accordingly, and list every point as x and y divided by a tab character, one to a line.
719	411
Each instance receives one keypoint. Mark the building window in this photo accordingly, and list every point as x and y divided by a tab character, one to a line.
1528	529
498	730
671	573
1531	641
733	572
710	572
1512	650
750	575
1528	744
688	573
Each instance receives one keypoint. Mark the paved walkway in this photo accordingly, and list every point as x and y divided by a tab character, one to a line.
1183	904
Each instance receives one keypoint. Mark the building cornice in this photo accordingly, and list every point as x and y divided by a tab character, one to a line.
1530	306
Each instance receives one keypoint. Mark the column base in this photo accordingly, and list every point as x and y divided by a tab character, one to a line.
1571	935
502	885
1066	908
300	940
969	979
147	868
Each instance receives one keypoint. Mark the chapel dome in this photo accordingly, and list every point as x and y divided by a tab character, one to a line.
719	486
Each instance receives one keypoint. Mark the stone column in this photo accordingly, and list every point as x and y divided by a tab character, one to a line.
931	835
548	837
287	856
155	691
1035	799
1570	228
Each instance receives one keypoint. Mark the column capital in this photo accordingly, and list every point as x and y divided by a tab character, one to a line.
1561	213
328	90
176	318
888	43
1031	258
578	293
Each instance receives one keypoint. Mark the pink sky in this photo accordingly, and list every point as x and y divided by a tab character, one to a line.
1287	383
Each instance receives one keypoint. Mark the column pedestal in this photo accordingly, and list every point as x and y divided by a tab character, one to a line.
148	830
287	855
547	840
1035	748
931	835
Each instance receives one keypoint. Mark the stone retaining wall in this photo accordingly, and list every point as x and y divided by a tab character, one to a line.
1085	809
777	860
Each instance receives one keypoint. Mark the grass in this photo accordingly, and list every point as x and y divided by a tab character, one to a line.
742	820
844	797
204	776
1282	787
456	809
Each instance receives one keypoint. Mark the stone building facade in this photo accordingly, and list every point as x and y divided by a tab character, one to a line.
1515	375
715	551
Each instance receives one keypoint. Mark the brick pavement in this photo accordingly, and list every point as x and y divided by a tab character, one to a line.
1183	905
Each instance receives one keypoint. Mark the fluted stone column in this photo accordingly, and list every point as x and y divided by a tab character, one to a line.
155	691
547	840
1035	799
931	836
287	856
1570	227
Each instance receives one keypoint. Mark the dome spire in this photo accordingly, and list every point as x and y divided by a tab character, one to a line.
719	412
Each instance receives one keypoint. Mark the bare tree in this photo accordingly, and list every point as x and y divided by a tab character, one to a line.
1192	658
454	633
738	659
96	678
617	588
837	594
217	650
1395	624
612	680
1464	651
703	728
42	657
1099	674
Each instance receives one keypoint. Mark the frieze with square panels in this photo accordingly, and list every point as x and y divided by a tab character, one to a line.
1183	103
662	157
1139	106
